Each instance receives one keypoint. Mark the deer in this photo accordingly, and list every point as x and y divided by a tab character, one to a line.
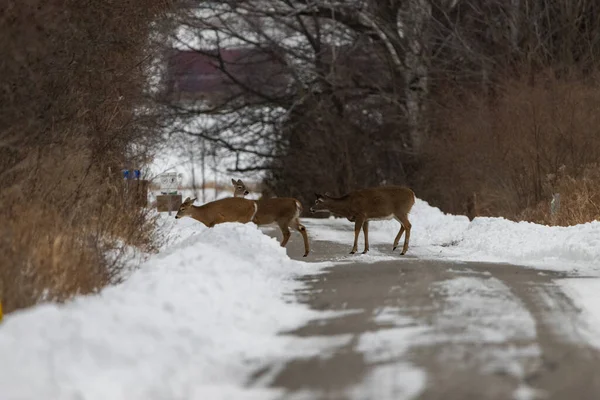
229	209
371	204
284	211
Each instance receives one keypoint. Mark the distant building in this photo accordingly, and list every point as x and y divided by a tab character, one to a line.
217	75
247	73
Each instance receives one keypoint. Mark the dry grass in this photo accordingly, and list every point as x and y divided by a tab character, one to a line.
73	76
579	200
67	237
504	149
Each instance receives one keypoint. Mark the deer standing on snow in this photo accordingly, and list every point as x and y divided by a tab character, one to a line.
378	203
230	209
284	211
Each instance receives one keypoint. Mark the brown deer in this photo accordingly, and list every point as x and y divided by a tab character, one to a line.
378	203
230	209
284	211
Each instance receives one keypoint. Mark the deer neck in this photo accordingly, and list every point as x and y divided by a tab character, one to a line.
198	212
340	207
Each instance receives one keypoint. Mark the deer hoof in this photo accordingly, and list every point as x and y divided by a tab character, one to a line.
306	254
365	252
352	252
394	248
403	253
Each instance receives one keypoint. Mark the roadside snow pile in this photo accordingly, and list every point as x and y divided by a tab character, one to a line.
501	240
192	323
586	298
440	235
555	247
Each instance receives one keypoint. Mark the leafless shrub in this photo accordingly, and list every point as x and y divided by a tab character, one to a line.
504	150
72	104
578	198
453	98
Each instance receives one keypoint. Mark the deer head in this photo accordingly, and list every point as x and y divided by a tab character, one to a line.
321	203
185	208
239	187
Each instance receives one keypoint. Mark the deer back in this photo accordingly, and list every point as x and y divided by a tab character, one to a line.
378	202
231	209
277	208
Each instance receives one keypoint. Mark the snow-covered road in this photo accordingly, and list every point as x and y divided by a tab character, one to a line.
432	329
226	314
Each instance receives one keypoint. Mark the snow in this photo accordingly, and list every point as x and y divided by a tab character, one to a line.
585	293
483	310
388	377
197	160
192	323
184	157
209	310
575	249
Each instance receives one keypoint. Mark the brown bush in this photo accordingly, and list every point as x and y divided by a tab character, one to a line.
578	201
72	102
503	149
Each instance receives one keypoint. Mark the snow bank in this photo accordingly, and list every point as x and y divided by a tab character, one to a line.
440	235
575	247
585	294
192	323
500	240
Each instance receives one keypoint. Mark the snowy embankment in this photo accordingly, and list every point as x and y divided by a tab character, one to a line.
575	249
192	323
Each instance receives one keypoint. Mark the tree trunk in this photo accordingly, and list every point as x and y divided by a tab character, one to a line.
415	27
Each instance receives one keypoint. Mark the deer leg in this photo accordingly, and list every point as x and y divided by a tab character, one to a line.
300	228
366	233
399	235
357	227
286	233
405	225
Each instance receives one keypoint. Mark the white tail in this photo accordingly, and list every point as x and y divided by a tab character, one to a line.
284	211
378	203
230	209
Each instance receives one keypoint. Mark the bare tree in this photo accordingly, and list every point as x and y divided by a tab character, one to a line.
355	88
351	76
73	113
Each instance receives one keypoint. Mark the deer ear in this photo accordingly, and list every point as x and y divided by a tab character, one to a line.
233	181
318	195
327	194
186	200
240	182
192	200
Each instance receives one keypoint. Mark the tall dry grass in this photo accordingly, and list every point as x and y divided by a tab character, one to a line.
67	231
503	149
578	199
72	100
